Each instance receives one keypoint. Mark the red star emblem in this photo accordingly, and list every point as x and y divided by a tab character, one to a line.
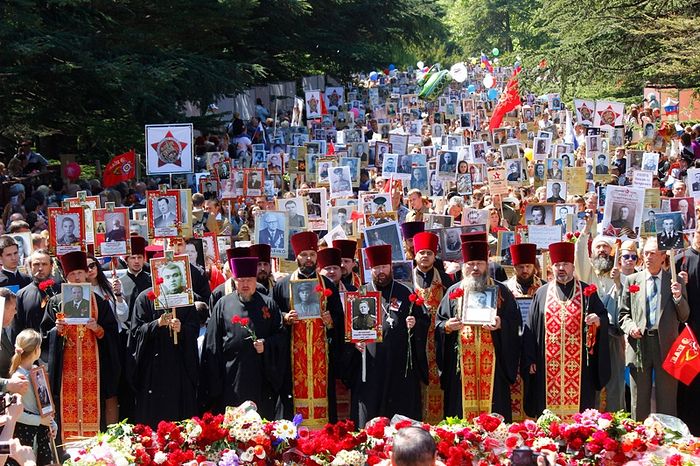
169	150
496	175
608	116
585	112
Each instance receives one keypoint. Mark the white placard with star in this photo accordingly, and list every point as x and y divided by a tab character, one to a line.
169	149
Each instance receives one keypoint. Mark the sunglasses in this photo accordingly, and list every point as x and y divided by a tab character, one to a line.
92	265
630	257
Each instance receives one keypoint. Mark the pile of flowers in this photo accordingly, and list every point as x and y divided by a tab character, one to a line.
242	437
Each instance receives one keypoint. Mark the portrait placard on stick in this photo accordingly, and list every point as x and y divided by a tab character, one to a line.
88	204
42	391
363	317
66	229
112	231
163	213
172	282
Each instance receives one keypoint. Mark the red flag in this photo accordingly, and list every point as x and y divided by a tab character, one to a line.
121	168
324	110
683	359
508	102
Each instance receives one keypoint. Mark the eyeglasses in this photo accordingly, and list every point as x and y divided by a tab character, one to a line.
627	257
92	265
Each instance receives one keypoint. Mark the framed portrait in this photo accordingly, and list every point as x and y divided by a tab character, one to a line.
342	216
510	151
164	216
353	163
42	391
209	188
87	203
419	178
341	182
447	164
514	170
437	221
253	181
112	231
222	170
601	165
479	307
305	298
76	303
223	242
686	207
399	143
386	233
176	287
275	161
66	229
139	214
210	247
325	168
649	221
169	149
556	191
561	216
296	211
622	216
669	231
194	248
316	208
478	151
403	272
505	239
555	168
24	245
693	182
539	214
450	244
541	148
389	164
363	317
471	216
381	149
271	228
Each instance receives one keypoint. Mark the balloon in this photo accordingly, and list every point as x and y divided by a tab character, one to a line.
474	60
392	67
496	60
495	52
471	88
459	72
72	171
355	112
488	81
492	94
373	76
386	71
425	70
528	154
420	65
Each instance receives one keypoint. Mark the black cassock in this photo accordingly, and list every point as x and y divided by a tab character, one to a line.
52	351
334	338
506	344
166	374
389	389
688	395
594	374
30	311
232	370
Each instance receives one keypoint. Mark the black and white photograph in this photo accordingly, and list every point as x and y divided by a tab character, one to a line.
419	178
172	282
76	302
471	216
325	168
364	316
694	182
271	228
541	148
403	272
478	151
669	231
505	239
316	207
447	164
554	169
405	164
390	164
540	175
514	170
556	191
437	185
381	149
209	188
342	216
622	215
686	207
340	182
353	163
650	161
450	244
539	214
68	229
42	391
386	233
253	181
434	221
592	145
477	171
479	307
649	221
305	299
464	184
561	215
509	151
296	211
194	248
601	164
115	227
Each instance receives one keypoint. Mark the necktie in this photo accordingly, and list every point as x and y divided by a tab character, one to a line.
653	303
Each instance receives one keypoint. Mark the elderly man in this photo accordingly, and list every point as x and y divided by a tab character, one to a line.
237	368
566	342
462	348
601	270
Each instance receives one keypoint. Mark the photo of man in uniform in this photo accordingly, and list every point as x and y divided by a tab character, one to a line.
623	219
67	233
555	193
173	279
295	219
306	300
364	316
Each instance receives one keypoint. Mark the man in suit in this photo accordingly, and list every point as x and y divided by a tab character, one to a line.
555	171
696	184
556	196
117	233
272	234
166	217
77	306
601	167
687	216
67	236
295	220
651	310
669	237
254	182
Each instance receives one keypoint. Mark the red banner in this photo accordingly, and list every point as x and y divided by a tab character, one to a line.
683	359
121	168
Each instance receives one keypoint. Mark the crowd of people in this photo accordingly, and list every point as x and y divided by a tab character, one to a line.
462	306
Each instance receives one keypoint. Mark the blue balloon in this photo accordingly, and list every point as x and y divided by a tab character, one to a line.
373	76
492	94
392	67
471	88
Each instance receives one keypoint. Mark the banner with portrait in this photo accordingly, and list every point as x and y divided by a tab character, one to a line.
66	229
363	317
172	282
112	229
164	213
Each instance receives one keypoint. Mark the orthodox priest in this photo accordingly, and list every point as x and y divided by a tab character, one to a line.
83	359
395	367
240	363
478	362
566	342
430	283
315	343
229	285
166	374
32	300
266	282
348	250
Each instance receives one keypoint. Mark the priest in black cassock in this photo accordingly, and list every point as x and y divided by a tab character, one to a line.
305	246
462	347
496	270
32	301
688	268
266	282
566	342
348	249
166	375
236	368
393	381
10	276
229	285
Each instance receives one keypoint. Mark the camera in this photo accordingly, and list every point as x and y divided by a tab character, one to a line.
4	448
6	401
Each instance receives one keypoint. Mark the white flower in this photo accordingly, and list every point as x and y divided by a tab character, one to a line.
285	430
160	457
604	423
121	461
349	458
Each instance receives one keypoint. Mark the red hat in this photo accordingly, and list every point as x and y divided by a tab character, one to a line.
138	245
238	252
261	251
328	256
411	229
425	240
244	267
523	253
378	255
348	247
153	251
76	260
304	241
561	252
475	251
473	236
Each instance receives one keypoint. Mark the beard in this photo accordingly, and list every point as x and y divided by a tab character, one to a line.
307	267
382	279
263	277
476	283
603	264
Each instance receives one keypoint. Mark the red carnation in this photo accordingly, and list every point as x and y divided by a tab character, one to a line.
412	297
319	288
151	295
590	290
569	235
245	321
634	288
236	320
159	281
327	292
577	234
46	284
457	293
420	301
